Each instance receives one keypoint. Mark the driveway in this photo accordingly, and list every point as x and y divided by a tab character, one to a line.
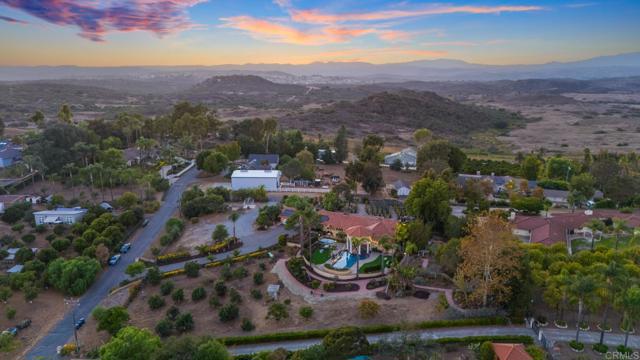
112	276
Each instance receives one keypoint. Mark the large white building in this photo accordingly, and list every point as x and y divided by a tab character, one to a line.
249	179
59	216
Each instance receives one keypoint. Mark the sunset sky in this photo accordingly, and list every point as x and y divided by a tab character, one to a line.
211	32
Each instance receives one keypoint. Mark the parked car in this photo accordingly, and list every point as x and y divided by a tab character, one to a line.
13	331
24	324
125	248
114	259
80	322
145	222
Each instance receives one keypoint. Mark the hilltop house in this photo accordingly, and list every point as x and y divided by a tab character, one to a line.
408	157
9	154
250	179
59	216
262	161
371	228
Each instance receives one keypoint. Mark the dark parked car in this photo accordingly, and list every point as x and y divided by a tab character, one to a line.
24	324
79	323
114	259
125	248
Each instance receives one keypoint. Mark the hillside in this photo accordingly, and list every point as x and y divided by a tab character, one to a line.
391	112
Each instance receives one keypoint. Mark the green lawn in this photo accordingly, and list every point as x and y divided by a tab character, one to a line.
580	244
374	265
610	242
320	256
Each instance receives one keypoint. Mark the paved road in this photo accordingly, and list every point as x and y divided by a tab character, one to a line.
63	331
590	337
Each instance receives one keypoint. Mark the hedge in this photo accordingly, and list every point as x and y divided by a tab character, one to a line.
369	329
173	257
216	263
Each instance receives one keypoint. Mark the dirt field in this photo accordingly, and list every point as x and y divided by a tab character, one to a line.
45	311
597	121
326	314
80	192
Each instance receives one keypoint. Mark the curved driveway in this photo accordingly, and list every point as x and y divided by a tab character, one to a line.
112	276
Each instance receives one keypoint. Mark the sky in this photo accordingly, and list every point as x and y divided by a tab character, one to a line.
213	32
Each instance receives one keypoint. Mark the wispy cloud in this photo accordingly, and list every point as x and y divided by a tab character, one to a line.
97	18
12	20
315	16
330	34
580	5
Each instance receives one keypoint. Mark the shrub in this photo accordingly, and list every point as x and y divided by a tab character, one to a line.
192	269
198	294
536	352
220	288
112	319
61	244
256	294
214	302
10	312
59	229
277	311
40	229
178	296
164	328
315	284
226	272
282	240
306	312
184	323
600	348
240	273
154	276
228	312
17	227
235	296
624	349
166	288
247	325
135	268
345	342
262	266
368	309
155	302
258	278
172	313
485	352
576	345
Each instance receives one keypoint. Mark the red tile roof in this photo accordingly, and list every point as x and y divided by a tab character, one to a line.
510	352
358	225
554	229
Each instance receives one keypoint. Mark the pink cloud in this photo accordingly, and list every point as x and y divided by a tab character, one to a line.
97	18
314	16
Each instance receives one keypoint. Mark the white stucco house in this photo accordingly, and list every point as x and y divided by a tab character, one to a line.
407	156
249	179
59	216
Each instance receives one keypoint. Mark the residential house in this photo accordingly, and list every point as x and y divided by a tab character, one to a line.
8	200
562	227
371	228
106	206
560	198
10	259
9	154
510	351
408	157
134	156
249	179
59	216
262	161
402	188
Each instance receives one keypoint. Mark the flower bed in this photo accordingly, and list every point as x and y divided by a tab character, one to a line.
421	294
576	346
220	247
334	287
171	258
376	283
297	268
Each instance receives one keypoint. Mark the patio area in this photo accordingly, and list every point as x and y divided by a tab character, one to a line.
333	256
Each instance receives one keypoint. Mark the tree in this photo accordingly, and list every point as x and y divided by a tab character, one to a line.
234	218
531	167
164	328
368	309
490	259
344	343
341	145
228	312
135	268
429	202
609	287
582	188
581	290
270	125
292	169
131	344
630	304
192	269
356	242
184	323
65	115
220	233
38	119
215	163
212	350
618	227
278	311
372	179
111	319
72	276
127	200
440	151
422	136
559	168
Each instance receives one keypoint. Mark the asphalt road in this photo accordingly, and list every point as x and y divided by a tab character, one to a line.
589	337
111	277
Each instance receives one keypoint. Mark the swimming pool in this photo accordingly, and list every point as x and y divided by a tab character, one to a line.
345	261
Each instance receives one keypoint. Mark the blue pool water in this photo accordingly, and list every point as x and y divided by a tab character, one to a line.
345	261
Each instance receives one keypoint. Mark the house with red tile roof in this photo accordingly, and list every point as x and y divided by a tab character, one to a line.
560	227
372	228
510	351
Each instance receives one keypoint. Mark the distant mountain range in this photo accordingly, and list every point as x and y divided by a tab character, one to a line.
622	65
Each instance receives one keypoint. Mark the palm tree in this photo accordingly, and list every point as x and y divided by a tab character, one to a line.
581	289
619	227
270	127
70	167
234	217
630	304
385	243
595	225
611	286
355	245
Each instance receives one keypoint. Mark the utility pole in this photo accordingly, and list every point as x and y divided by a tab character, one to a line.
74	303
